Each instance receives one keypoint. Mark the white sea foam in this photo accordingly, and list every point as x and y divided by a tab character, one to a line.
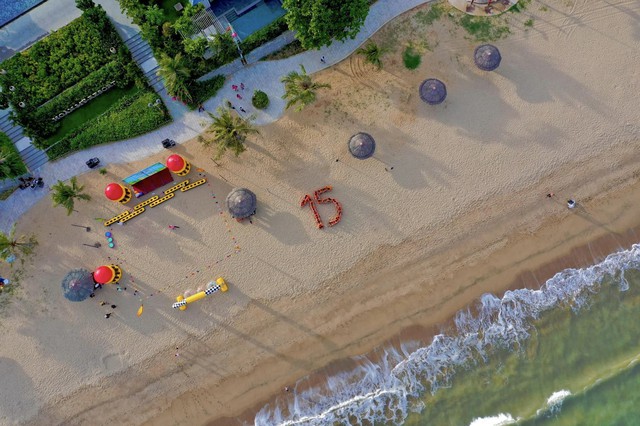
554	402
501	419
388	390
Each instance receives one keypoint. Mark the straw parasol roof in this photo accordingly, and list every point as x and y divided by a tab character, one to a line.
362	145
487	57
241	203
433	91
77	285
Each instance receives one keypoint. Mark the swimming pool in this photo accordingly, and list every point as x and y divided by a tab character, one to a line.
259	16
247	16
11	9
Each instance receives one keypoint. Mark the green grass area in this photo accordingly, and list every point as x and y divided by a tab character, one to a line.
427	18
127	118
290	49
482	28
89	111
411	58
170	13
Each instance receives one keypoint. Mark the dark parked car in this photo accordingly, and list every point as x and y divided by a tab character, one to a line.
93	162
168	143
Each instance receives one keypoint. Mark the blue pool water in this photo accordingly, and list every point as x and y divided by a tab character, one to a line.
11	9
247	16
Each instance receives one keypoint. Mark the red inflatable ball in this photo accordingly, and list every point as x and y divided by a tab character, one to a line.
175	163
114	192
103	274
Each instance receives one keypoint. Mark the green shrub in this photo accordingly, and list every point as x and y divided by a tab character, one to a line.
203	90
224	47
260	99
11	164
60	60
411	58
129	118
264	35
528	23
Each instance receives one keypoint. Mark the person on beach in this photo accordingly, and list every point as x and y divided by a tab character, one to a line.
241	86
234	87
173	227
177	353
243	110
323	60
107	315
238	96
550	195
571	203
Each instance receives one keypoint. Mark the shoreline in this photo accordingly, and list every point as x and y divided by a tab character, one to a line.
585	254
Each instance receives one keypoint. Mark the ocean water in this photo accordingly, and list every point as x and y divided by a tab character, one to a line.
566	354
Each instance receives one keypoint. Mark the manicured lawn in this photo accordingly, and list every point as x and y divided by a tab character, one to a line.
169	12
128	117
89	111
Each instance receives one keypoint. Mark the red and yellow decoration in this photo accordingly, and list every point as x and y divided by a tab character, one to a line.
117	192
178	165
107	274
312	204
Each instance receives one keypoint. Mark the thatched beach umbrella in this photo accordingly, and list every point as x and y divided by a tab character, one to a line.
487	57
433	91
77	285
362	145
241	203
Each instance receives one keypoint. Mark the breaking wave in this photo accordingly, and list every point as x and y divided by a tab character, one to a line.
387	390
501	419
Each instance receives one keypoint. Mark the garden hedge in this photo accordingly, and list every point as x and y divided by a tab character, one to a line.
264	35
203	90
128	118
11	164
60	60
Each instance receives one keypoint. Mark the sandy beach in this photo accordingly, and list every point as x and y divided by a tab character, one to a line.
463	212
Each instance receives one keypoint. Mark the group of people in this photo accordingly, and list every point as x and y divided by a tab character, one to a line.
31	182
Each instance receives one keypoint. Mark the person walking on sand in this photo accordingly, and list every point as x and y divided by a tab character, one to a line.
173	227
177	353
571	203
550	195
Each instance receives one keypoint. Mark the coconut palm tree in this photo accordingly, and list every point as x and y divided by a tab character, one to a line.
227	131
372	54
12	247
175	74
300	89
65	195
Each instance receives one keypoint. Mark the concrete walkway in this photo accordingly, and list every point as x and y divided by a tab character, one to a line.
261	75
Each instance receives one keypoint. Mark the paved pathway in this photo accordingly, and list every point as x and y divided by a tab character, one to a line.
261	75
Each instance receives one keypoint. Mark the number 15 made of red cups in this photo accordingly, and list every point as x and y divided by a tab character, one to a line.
317	195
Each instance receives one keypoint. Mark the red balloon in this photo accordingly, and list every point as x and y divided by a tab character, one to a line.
103	274
114	191
175	163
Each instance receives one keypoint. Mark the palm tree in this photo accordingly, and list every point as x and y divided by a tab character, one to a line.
228	131
65	195
372	54
300	89
12	247
175	74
